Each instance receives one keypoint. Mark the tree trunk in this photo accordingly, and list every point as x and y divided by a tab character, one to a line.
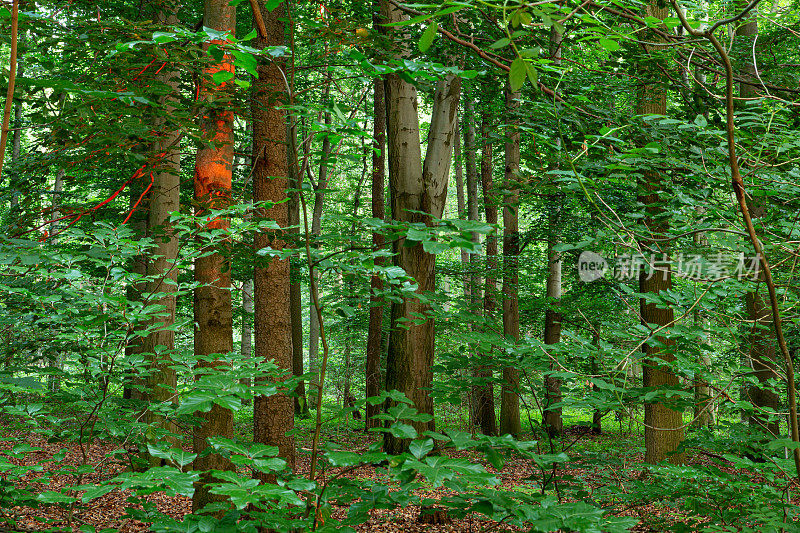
54	380
762	351
484	391
461	203
551	417
415	188
472	278
16	142
316	231
247	329
597	415
703	406
374	334
296	287
273	416
135	386
213	314
663	430
509	395
161	269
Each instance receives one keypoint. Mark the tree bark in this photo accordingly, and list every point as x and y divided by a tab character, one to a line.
373	357
295	287
663	430
247	328
161	269
484	392
763	353
415	188
551	417
461	204
703	406
273	416
316	231
509	395
213	314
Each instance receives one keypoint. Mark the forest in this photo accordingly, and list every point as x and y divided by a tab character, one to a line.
449	265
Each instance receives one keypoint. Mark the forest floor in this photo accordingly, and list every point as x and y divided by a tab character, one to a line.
108	511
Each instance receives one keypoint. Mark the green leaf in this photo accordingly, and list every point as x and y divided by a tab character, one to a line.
403	431
222	76
495	458
700	121
505	41
609	44
533	74
517	74
54	497
420	448
96	492
428	36
164	37
435	247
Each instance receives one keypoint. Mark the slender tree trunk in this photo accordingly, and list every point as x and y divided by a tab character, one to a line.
316	231
415	188
135	387
484	391
54	380
470	151
703	406
461	203
295	288
597	415
663	430
762	351
509	395
472	278
247	328
273	416
213	314
375	332
16	142
551	418
161	268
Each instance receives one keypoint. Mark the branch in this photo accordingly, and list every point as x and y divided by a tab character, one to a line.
12	75
739	190
258	19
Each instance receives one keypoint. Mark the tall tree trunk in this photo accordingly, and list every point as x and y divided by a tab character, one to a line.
135	387
418	193
509	395
316	231
461	204
484	392
161	268
551	418
597	415
375	332
663	430
54	380
762	351
273	416
472	277
16	140
471	165
213	313
247	328
703	406
295	287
